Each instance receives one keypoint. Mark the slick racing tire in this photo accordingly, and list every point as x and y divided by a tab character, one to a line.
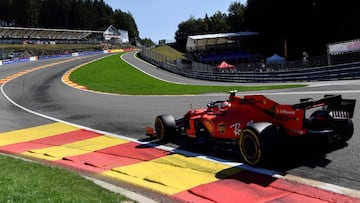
250	147
343	129
165	127
255	145
347	131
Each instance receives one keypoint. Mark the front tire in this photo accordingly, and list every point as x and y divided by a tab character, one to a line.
249	144
255	144
165	127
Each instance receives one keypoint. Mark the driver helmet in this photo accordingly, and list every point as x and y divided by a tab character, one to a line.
224	104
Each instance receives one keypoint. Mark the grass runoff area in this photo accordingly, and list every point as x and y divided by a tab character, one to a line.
23	181
113	75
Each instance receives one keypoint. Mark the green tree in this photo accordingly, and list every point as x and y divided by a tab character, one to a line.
5	11
147	42
187	28
308	25
236	17
125	21
219	23
105	13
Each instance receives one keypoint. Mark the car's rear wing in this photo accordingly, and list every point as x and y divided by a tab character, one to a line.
333	103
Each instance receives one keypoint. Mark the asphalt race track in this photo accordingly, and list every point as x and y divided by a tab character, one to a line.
43	91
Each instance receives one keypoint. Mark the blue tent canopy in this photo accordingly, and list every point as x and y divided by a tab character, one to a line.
275	59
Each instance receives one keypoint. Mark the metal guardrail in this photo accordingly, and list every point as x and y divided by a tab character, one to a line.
301	74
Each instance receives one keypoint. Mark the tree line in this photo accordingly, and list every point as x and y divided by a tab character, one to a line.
65	14
302	25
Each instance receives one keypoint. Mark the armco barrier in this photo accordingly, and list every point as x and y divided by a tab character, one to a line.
44	57
301	74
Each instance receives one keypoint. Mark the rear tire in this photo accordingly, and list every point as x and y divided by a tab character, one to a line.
347	131
165	127
343	129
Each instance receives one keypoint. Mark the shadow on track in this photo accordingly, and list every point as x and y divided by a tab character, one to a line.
292	153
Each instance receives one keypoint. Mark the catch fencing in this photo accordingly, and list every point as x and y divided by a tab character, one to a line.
300	73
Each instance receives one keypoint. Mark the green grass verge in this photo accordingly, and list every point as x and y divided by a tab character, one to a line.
113	75
23	181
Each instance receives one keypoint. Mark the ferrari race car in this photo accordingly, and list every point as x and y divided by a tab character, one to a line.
257	124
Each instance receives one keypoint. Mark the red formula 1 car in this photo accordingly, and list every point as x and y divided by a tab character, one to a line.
257	124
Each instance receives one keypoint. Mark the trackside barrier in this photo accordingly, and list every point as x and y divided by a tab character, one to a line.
44	57
303	74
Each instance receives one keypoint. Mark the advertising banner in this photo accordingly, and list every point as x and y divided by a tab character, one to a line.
344	47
